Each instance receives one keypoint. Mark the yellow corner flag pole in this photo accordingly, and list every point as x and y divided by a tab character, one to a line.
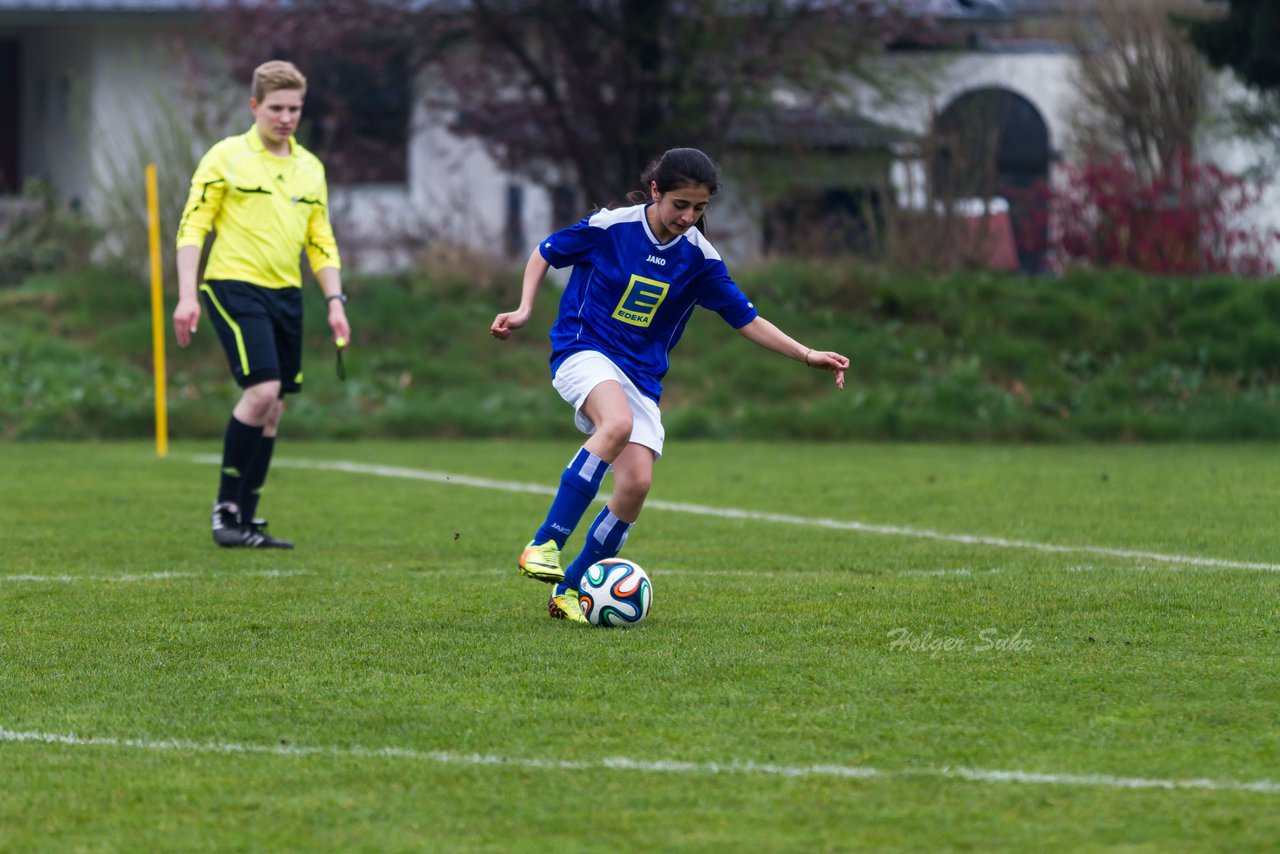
157	313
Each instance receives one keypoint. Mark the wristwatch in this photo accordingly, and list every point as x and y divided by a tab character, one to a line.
342	298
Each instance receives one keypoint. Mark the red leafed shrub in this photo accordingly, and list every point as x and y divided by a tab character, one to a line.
1194	218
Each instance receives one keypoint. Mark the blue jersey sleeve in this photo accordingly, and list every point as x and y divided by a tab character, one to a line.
721	294
571	245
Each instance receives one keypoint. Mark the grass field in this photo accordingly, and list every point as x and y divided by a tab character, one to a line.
890	647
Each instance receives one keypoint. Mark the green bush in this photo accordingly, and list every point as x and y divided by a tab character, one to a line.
968	357
40	234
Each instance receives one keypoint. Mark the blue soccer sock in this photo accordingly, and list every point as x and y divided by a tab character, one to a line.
578	487
605	539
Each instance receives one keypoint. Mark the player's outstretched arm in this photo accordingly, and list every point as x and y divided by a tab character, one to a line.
764	333
509	321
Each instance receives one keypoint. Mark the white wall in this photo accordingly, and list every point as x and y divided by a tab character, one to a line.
88	90
1045	79
455	197
1041	78
57	75
93	97
1240	156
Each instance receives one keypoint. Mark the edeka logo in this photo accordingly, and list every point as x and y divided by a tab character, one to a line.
641	301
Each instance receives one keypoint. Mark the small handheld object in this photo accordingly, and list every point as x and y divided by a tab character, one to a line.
341	344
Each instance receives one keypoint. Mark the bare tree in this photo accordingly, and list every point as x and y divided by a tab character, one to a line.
1142	85
603	87
586	92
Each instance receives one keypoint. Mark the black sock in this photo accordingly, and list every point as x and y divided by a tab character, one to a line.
238	450
254	477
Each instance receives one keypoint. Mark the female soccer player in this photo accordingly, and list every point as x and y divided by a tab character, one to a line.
638	273
267	199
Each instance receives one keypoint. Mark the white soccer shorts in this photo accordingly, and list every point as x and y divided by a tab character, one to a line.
582	372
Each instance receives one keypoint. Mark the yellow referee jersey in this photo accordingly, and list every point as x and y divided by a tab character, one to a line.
265	210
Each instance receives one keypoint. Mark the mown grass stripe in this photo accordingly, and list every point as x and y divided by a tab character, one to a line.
779	518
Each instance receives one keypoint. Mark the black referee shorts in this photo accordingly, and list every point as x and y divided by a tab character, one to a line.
260	329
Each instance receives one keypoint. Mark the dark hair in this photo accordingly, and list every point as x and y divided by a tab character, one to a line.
676	168
682	167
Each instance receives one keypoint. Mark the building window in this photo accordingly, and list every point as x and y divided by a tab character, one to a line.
357	120
514	227
829	222
10	116
992	142
564	206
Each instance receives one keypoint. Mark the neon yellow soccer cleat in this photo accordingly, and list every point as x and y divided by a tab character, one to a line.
565	607
542	563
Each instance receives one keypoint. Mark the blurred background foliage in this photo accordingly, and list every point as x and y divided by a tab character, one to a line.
964	356
941	350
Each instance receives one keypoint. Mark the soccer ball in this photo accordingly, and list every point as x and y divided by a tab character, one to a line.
615	592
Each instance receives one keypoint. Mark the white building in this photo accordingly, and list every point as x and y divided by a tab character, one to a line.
91	89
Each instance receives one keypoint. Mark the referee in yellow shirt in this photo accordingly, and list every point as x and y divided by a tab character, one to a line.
266	198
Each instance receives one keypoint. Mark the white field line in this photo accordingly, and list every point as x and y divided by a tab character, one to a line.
665	572
621	763
39	578
128	578
756	573
962	571
779	518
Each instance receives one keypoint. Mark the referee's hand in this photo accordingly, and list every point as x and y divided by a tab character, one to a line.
186	317
338	323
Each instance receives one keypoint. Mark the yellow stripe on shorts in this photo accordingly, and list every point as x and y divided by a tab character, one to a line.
235	329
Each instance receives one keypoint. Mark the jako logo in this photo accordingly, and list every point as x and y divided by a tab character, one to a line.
654	259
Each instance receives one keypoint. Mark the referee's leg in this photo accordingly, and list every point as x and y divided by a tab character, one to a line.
240	446
267	402
255	476
284	307
258	405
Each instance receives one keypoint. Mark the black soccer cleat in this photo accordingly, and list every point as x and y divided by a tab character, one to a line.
225	521
256	537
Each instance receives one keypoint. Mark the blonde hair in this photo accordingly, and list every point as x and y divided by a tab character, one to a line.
275	75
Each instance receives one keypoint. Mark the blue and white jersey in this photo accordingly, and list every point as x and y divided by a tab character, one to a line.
630	296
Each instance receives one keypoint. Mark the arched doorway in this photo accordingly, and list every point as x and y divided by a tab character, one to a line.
994	142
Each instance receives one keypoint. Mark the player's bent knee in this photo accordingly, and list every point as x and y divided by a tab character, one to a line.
262	399
616	432
634	488
273	417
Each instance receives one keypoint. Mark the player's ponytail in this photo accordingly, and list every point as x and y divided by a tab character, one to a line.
679	167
